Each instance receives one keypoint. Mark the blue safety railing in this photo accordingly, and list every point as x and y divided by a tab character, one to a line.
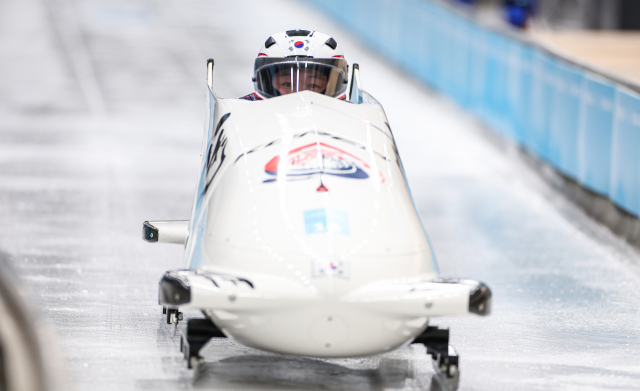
585	124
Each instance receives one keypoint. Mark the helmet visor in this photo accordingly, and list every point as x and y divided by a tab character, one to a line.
288	76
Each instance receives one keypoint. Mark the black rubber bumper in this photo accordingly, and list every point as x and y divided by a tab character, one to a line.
480	300
149	232
174	290
479	296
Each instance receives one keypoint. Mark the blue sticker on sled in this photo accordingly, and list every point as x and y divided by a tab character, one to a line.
319	221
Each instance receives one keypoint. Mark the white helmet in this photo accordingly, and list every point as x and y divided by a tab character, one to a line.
299	60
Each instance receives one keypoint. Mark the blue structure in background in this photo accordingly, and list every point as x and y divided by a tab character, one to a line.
586	127
518	12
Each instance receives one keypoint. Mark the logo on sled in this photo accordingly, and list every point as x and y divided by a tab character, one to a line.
326	268
317	158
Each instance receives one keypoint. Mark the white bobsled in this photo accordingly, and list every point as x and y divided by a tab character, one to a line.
304	238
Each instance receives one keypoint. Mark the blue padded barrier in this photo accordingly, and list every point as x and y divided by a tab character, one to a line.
510	95
445	52
625	146
586	127
459	61
500	109
536	133
564	112
425	40
494	82
390	28
478	53
518	94
412	39
438	49
594	133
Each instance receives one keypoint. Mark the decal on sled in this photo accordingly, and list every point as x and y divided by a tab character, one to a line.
317	158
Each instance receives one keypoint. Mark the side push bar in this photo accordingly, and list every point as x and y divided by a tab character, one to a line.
437	297
479	295
166	231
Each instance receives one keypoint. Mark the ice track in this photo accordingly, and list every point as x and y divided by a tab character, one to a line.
102	108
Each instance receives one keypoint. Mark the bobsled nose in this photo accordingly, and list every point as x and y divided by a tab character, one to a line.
329	331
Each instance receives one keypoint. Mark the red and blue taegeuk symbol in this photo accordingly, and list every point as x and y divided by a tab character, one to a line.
318	158
299	44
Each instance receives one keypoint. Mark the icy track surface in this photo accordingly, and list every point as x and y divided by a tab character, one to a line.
102	105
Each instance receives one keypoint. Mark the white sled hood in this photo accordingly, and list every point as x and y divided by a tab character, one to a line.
311	186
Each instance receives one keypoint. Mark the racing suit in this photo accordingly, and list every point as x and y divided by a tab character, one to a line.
252	97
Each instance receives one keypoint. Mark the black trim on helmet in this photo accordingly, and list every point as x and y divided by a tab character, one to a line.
298	33
331	43
270	42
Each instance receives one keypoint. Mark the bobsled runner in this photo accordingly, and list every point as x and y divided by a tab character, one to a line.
304	238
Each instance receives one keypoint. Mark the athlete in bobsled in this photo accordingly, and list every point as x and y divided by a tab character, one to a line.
299	60
303	237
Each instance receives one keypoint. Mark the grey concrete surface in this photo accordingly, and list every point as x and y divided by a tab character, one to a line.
101	107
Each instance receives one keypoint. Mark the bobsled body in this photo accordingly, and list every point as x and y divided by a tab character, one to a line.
304	238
